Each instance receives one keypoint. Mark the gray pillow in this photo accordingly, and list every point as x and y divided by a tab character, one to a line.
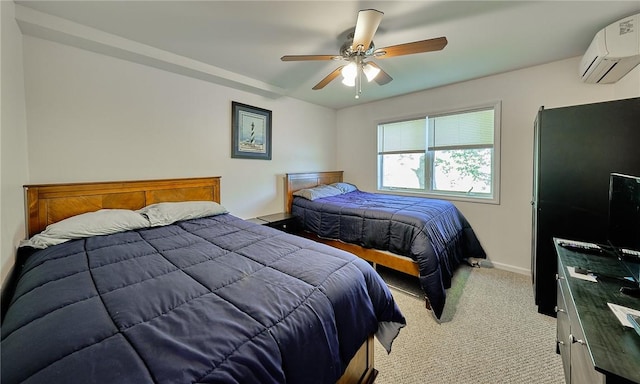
345	187
318	192
102	222
168	213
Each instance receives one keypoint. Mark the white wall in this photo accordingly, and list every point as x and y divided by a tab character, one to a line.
504	230
92	117
13	140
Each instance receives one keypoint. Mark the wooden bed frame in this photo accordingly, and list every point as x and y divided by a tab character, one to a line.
49	203
298	181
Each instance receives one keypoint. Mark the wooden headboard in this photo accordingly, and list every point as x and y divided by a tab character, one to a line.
49	203
297	181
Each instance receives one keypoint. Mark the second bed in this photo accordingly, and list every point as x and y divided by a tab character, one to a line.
428	238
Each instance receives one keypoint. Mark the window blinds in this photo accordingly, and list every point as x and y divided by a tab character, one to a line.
463	130
405	136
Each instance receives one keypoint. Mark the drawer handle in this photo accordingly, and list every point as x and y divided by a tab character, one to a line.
574	340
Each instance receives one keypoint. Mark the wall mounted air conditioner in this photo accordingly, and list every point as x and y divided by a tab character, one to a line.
614	52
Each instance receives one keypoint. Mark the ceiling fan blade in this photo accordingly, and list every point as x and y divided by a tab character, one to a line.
328	79
383	77
309	57
411	48
366	26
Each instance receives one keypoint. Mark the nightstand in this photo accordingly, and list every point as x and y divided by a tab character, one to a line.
283	221
256	220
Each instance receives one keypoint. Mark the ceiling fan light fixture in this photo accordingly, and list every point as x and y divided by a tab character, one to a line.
349	73
349	81
370	71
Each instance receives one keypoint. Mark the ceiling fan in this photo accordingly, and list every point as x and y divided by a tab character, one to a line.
359	47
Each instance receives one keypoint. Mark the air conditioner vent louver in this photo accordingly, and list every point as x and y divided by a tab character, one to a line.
590	65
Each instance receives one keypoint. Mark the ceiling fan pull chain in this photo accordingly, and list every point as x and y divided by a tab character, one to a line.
359	81
358	76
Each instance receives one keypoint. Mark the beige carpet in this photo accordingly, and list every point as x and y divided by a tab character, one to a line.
491	333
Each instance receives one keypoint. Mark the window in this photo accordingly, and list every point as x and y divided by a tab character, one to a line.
454	154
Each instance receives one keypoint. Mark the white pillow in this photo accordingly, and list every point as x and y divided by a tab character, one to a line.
318	192
168	213
102	222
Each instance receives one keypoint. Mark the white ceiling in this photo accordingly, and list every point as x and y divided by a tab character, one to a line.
244	40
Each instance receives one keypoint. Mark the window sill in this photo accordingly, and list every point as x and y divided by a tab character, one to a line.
443	196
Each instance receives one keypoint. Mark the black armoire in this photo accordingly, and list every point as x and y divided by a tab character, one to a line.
576	148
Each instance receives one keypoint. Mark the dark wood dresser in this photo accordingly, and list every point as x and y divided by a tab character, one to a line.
594	345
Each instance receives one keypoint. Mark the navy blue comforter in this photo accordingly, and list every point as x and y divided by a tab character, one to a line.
211	300
432	232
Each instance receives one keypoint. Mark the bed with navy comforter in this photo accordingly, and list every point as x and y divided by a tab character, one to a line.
208	300
432	232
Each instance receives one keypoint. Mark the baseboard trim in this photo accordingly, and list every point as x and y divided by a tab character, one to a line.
511	268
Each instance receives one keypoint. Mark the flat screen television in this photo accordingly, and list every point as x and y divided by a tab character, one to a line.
624	220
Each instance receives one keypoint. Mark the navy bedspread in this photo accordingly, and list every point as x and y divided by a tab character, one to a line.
211	300
432	232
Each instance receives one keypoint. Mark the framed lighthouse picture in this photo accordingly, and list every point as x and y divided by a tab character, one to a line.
250	132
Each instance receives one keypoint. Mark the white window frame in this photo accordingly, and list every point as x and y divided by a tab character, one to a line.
494	198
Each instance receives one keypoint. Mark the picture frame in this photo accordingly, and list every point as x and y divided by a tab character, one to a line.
250	132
